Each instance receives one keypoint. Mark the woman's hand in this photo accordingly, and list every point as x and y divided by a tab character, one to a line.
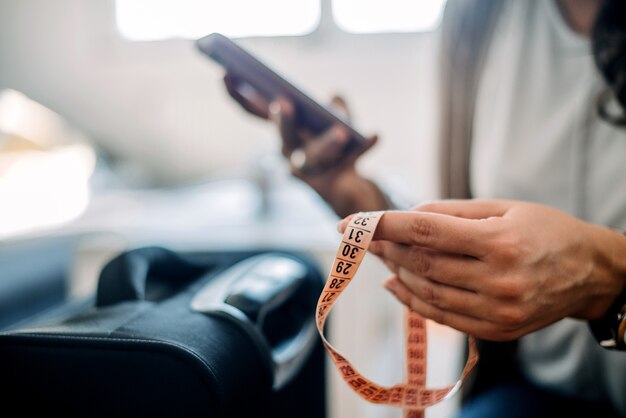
318	160
500	269
317	153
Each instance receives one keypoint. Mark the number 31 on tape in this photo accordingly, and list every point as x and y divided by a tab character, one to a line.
412	395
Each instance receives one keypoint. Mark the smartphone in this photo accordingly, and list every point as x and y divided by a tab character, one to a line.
267	83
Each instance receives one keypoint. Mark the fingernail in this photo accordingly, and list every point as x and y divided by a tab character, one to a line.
342	224
392	286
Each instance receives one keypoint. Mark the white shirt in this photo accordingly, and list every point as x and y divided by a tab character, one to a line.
537	137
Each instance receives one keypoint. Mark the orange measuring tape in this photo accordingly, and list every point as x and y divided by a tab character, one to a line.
413	396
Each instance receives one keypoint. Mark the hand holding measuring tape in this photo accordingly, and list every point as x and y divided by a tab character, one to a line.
495	269
412	396
500	269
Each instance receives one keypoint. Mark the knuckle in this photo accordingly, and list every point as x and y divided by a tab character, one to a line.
507	289
437	315
511	317
428	293
422	230
415	305
427	311
377	248
508	248
421	262
508	252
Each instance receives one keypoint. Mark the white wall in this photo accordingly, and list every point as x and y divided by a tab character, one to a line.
162	104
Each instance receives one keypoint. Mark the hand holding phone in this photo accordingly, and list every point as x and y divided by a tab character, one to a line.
315	138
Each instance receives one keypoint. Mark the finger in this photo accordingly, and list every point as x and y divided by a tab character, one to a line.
251	101
462	323
447	298
283	113
327	149
341	158
339	105
371	141
444	233
470	209
447	269
341	226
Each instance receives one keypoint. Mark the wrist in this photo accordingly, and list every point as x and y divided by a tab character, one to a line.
609	328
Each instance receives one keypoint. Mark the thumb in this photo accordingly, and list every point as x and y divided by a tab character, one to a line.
371	141
339	105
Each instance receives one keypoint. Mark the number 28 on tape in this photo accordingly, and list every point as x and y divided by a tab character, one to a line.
412	395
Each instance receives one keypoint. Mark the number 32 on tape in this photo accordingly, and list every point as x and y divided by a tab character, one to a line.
412	395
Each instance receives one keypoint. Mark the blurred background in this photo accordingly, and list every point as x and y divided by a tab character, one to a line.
116	132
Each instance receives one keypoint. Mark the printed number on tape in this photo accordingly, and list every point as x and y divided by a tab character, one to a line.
412	395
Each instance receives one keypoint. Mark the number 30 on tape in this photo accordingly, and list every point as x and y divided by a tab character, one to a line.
412	395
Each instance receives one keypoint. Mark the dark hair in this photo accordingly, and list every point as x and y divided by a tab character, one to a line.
609	52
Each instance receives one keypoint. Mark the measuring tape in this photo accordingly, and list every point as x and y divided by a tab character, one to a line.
412	395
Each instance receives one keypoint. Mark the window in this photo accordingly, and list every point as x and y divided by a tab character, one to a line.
148	20
375	16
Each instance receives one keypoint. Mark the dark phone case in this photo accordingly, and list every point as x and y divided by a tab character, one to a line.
270	85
